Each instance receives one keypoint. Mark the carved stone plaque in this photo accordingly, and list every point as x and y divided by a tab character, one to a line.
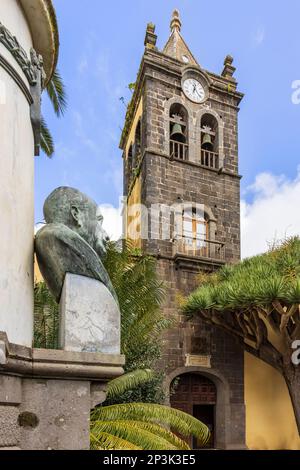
197	360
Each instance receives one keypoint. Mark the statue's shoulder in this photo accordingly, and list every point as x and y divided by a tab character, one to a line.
55	232
61	250
53	236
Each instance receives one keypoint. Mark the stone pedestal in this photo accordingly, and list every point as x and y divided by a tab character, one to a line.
89	317
46	395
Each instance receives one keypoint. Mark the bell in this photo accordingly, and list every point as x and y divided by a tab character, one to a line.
207	142
177	133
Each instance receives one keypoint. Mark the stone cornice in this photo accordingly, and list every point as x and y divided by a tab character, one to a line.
221	171
41	18
26	362
30	66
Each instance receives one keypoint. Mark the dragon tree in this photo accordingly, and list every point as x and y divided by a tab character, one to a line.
258	301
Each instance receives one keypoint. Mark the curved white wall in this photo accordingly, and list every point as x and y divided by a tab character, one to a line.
16	190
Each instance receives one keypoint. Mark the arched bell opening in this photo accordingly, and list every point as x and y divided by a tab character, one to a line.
209	141
178	132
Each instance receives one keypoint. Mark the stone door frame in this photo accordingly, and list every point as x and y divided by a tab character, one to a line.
223	407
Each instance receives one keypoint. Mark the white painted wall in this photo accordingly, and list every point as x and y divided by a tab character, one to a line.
13	18
16	192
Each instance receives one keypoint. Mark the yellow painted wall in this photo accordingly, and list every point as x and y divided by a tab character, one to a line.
135	195
133	215
270	421
131	135
37	273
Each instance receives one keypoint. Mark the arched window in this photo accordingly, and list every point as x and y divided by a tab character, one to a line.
209	142
195	230
178	132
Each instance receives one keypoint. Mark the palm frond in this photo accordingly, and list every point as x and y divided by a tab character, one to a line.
146	438
163	432
106	441
118	386
179	421
57	94
47	143
46	318
140	295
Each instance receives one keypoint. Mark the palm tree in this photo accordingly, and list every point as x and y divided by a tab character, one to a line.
140	295
141	426
58	98
46	318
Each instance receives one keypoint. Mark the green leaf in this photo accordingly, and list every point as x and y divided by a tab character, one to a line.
150	437
179	421
118	386
46	318
106	441
47	143
57	94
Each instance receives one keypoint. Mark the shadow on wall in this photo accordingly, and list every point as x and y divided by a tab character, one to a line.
270	421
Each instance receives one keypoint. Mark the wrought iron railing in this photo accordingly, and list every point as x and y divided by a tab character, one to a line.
178	150
209	159
200	247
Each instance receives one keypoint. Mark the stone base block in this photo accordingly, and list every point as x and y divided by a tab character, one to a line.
89	317
46	396
55	414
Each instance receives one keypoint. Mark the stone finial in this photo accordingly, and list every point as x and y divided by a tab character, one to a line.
151	27
151	37
228	69
228	60
175	21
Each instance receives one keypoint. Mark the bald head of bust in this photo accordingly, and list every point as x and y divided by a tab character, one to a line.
70	207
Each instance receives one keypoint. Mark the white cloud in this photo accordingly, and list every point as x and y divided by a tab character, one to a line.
259	36
273	215
112	221
82	65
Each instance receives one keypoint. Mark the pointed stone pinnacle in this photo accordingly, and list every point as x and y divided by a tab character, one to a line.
175	21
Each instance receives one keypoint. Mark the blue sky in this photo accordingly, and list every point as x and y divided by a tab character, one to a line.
101	48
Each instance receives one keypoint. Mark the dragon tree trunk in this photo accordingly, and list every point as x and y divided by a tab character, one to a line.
292	377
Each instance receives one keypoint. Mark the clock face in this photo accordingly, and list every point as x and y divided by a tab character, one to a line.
194	90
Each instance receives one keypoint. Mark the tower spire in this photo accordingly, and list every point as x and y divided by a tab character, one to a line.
175	21
176	47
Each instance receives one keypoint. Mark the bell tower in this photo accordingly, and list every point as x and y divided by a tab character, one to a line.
182	186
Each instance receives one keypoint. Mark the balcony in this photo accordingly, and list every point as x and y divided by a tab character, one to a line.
209	159
178	150
190	253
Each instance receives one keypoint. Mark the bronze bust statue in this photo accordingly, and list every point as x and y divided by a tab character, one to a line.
72	241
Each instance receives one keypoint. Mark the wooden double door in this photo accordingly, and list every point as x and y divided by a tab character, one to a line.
196	395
